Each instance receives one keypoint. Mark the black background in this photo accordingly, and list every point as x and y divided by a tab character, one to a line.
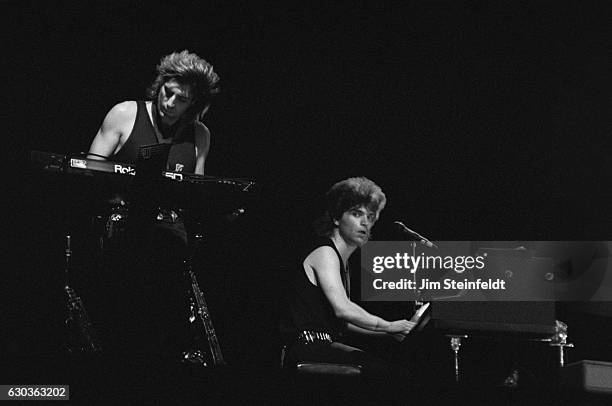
476	118
480	120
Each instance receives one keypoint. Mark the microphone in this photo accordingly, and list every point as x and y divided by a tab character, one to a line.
402	227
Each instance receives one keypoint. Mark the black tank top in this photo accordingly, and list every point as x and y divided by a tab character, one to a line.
182	156
310	309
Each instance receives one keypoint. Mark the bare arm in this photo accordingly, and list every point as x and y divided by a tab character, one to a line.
112	133
325	264
202	146
355	329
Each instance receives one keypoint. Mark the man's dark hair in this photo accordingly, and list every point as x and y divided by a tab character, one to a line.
187	69
348	194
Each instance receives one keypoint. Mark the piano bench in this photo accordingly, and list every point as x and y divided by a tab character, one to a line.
310	368
312	382
309	383
324	368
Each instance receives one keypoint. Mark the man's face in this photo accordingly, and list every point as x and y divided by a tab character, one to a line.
355	225
173	100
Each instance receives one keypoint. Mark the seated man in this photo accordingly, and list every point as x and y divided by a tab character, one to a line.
320	307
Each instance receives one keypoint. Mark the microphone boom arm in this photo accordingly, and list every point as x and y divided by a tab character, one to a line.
402	227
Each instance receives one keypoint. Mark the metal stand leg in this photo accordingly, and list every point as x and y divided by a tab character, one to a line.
195	354
455	342
200	314
82	336
559	339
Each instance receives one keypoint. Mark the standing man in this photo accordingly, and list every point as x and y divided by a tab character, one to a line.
180	95
143	271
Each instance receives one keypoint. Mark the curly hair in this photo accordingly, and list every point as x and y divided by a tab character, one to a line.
187	69
347	194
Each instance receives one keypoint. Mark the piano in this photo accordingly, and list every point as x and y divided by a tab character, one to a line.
91	179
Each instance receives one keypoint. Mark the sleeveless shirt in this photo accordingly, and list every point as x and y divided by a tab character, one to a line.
182	157
310	309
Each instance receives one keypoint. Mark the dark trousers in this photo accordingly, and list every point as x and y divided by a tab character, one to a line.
141	294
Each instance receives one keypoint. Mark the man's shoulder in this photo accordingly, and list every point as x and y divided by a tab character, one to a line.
122	111
201	134
324	251
127	106
200	129
323	254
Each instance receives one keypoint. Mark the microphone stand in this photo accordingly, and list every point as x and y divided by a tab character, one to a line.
418	302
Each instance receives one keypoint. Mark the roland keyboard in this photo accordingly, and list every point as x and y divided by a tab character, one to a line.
79	165
182	190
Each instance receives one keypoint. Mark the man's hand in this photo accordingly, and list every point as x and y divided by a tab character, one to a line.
400	327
